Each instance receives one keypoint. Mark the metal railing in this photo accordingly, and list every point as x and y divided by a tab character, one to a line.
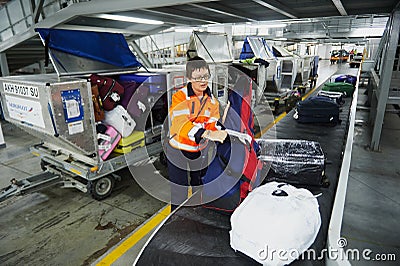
335	224
19	15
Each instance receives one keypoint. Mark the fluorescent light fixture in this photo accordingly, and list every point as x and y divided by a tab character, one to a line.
275	25
128	19
340	7
183	29
268	26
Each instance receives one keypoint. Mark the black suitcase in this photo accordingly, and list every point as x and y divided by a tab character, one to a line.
317	109
337	96
297	162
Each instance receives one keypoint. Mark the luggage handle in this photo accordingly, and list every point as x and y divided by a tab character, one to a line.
109	90
126	120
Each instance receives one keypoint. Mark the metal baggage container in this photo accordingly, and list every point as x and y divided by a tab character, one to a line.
58	109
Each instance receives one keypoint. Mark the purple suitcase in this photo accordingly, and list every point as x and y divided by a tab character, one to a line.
347	78
138	98
130	87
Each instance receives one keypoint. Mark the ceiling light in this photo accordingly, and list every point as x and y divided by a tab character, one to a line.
128	19
268	26
184	29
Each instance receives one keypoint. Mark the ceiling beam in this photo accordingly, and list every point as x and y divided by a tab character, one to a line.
215	10
227	9
100	29
181	16
187	14
340	7
83	8
277	7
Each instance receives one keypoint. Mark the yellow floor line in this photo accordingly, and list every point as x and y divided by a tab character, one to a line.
264	130
308	93
135	237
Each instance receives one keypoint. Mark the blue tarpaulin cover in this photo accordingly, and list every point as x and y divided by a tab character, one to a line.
110	48
247	52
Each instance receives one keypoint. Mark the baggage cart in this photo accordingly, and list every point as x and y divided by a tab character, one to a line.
58	109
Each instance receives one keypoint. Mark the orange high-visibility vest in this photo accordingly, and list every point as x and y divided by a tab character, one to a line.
188	114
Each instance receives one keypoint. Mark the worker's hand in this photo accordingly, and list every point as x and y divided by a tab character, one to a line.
218	135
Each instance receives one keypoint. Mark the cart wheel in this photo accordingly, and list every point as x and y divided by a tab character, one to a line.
102	187
163	159
43	165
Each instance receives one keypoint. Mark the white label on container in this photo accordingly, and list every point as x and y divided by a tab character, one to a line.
72	108
75	127
24	110
21	90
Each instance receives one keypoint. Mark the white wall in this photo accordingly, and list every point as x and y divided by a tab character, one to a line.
323	51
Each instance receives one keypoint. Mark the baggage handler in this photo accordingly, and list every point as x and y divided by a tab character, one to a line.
194	115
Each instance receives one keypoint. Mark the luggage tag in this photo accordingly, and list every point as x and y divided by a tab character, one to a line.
141	106
115	97
296	115
103	137
104	147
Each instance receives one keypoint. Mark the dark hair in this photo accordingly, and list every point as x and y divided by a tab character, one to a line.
195	63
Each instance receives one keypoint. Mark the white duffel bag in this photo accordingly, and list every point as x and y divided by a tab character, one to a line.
275	224
121	120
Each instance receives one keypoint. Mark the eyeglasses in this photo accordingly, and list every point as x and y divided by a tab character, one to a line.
202	78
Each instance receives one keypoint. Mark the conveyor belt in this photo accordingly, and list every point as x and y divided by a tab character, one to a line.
198	236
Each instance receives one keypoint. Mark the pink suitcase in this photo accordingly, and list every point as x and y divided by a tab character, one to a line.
107	142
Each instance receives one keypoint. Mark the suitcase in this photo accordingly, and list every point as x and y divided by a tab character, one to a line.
97	104
157	83
317	109
275	217
138	104
336	96
110	90
347	78
133	141
343	87
108	140
298	162
120	119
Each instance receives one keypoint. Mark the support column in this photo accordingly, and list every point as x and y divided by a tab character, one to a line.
146	62
4	65
385	79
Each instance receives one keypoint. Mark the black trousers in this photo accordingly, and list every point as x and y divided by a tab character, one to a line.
185	169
